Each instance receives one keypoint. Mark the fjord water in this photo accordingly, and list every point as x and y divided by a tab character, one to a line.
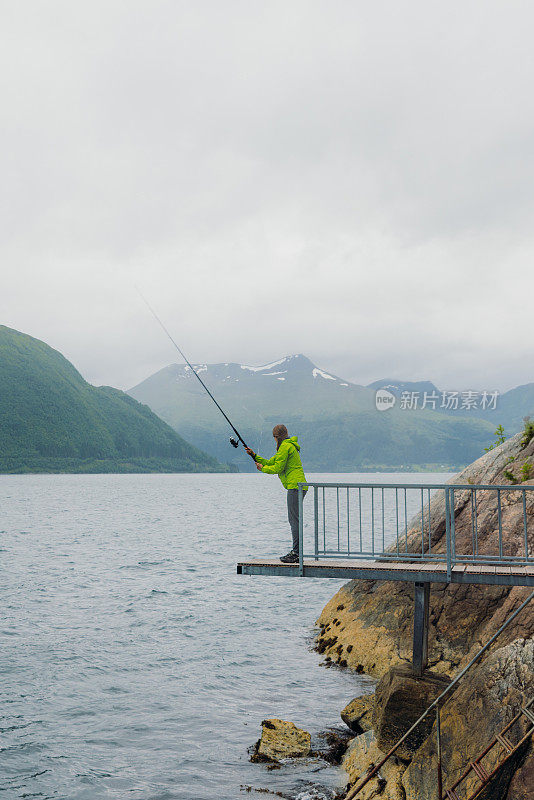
135	662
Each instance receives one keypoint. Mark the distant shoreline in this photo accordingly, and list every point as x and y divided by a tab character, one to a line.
230	470
104	467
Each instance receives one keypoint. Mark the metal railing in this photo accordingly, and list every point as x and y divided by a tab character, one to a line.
436	708
416	522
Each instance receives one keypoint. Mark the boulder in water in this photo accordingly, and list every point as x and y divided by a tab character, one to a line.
280	739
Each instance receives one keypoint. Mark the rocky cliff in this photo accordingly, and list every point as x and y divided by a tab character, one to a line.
368	627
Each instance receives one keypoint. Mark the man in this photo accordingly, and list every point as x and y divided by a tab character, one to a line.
287	465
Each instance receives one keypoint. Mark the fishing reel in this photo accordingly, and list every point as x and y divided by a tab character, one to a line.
234	442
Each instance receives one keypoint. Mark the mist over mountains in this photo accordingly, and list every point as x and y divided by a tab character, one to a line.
52	420
337	421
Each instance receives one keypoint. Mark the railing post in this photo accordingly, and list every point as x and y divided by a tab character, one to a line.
337	494
525	525
420	628
453	529
499	515
301	532
316	521
448	531
373	520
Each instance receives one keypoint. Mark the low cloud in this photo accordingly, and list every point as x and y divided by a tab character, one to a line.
351	181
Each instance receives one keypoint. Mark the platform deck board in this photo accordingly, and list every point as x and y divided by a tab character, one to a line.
413	571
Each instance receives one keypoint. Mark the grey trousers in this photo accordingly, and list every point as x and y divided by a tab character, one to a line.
293	515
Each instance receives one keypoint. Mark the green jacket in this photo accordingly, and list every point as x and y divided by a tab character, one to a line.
285	463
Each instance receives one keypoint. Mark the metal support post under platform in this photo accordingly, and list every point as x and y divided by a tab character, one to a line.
420	627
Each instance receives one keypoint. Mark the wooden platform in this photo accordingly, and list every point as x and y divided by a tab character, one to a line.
416	572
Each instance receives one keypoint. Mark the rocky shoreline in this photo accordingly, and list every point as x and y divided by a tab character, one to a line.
367	627
480	707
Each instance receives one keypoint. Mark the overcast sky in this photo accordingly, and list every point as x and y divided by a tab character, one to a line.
350	180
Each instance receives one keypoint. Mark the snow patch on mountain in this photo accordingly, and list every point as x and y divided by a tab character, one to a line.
265	366
198	368
325	375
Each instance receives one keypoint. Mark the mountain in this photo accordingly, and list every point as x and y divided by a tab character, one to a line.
340	427
52	420
292	383
512	408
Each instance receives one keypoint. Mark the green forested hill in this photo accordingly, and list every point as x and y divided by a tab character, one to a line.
52	420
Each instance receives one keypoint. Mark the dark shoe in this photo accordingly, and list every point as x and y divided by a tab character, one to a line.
291	558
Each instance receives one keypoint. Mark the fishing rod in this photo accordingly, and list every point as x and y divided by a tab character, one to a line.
233	442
